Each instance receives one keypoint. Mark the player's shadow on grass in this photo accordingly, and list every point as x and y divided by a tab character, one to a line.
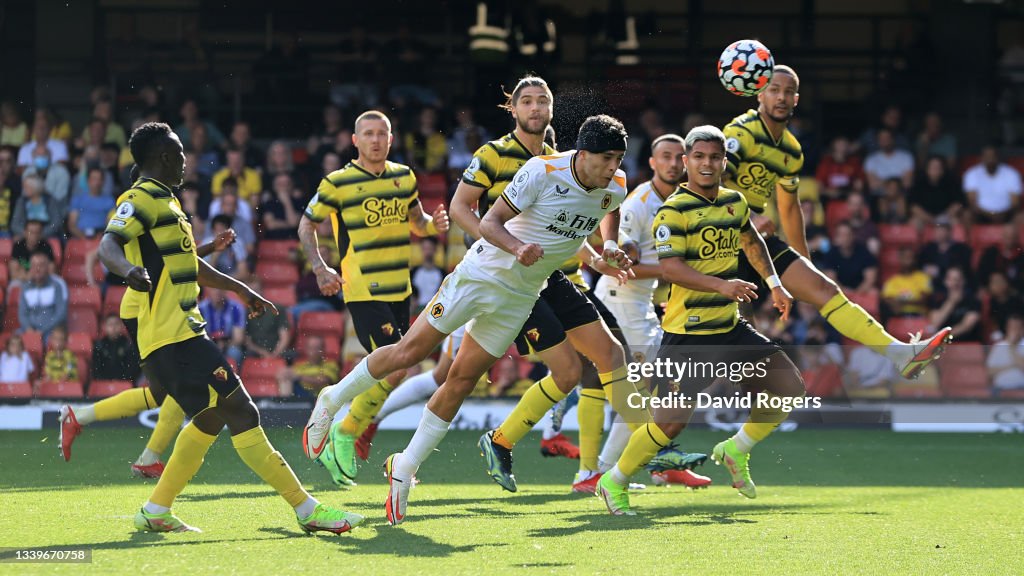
247	495
537	498
396	541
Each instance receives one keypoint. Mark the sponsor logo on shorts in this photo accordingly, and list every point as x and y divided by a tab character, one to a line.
387	329
437	310
221	374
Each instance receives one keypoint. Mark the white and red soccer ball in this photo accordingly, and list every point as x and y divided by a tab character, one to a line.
745	67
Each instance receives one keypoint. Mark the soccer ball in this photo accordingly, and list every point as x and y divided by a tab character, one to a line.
745	67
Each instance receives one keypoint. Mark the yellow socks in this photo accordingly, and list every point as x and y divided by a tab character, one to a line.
125	404
255	450
189	451
531	408
617	389
643	445
590	411
855	323
761	422
168	424
364	408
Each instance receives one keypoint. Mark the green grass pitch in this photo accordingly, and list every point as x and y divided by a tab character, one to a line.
834	502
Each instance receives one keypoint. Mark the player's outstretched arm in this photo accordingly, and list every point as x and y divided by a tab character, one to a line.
220	242
792	219
757	254
210	276
492	229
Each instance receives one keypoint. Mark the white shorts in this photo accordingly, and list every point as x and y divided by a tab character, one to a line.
639	325
492	314
451	344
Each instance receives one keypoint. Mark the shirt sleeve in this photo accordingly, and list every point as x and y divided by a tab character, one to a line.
482	168
414	196
325	202
525	186
134	215
669	231
739	145
629	222
744	208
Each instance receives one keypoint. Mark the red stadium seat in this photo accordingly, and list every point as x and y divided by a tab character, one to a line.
869	301
282	295
85	297
262	368
15	390
966	353
61	390
33	342
898	235
74	273
262	388
82	319
11	322
888	262
322	323
280	250
1017	394
6	247
4	277
985	235
964	380
959	233
900	327
57	251
433	188
80	344
1017	162
106	388
909	389
277	273
78	248
112	300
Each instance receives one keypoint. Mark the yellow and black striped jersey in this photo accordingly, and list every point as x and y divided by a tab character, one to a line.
159	238
370	216
758	163
492	168
706	235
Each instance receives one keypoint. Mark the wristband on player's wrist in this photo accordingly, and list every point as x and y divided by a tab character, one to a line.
611	245
773	281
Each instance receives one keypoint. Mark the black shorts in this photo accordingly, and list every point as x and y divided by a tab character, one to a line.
782	257
194	372
560	308
379	323
742	344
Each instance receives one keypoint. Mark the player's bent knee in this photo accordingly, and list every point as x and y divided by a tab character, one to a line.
567	373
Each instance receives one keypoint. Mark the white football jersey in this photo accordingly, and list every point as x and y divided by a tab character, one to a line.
554	211
636	221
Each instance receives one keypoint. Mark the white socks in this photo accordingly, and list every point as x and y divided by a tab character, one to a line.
412	391
148	458
85	415
306	508
353	384
618	477
151	508
618	438
743	442
428	435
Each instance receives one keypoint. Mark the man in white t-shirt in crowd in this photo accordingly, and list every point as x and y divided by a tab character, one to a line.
993	188
888	162
545	215
426	278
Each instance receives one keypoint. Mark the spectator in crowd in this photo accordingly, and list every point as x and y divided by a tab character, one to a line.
88	215
331	162
818	241
892	206
225	322
279	160
10	190
15	362
60	129
907	292
993	188
114	355
56	178
935	193
1004	301
36	204
859	218
1006	257
240	213
278	214
103	109
207	158
307	291
465	139
241	139
840	171
60	364
192	175
110	162
233	261
268	335
426	278
44	298
325	137
41	136
13	130
887	162
426	147
248	179
1005	360
190	120
849	263
956	306
935	141
944	252
868	374
311	373
23	249
891	121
